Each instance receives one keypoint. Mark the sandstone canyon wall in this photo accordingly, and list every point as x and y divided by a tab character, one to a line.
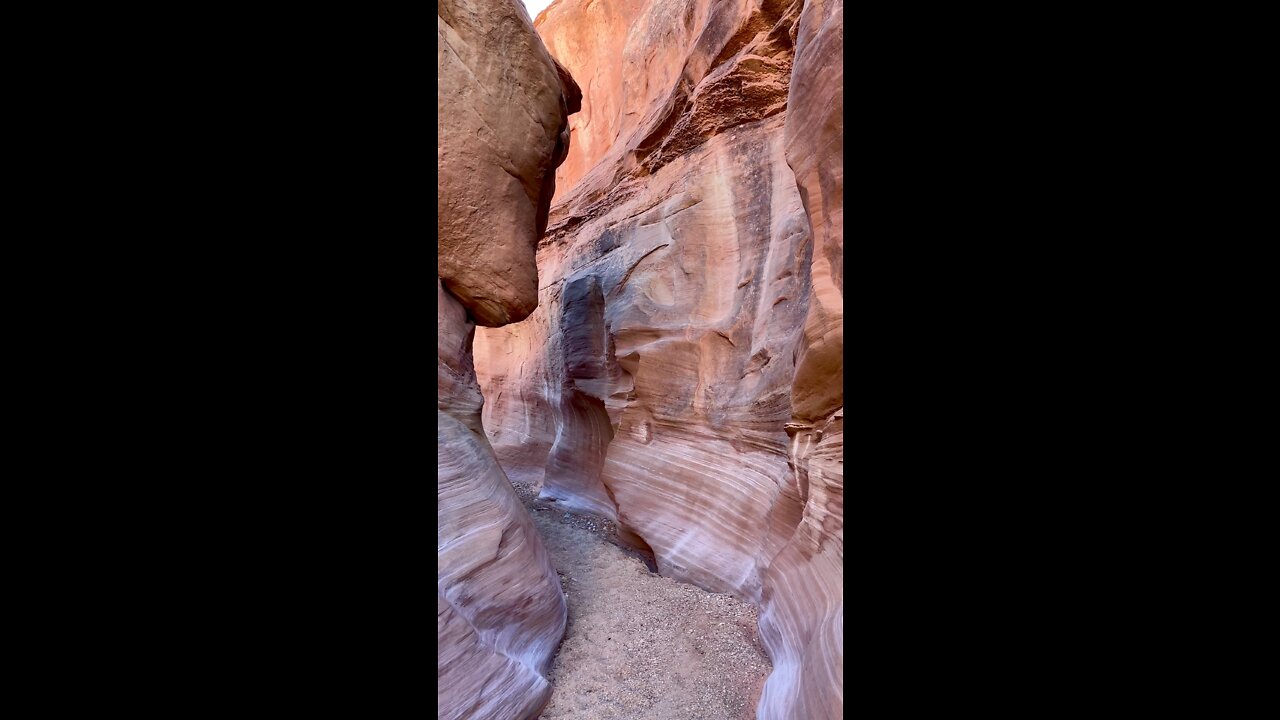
502	105
803	619
682	374
593	34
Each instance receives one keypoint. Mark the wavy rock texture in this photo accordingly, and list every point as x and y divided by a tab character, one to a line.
803	620
682	374
502	105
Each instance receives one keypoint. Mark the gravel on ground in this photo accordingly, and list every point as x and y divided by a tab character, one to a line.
639	646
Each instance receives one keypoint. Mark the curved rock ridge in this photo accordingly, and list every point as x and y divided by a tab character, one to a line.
802	625
502	106
682	374
500	613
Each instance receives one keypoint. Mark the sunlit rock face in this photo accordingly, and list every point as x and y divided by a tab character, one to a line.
592	36
502	106
683	373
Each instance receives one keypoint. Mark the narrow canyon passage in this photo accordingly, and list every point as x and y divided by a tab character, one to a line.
640	315
639	646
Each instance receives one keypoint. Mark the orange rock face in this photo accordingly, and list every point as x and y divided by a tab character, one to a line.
682	374
591	37
502	106
803	620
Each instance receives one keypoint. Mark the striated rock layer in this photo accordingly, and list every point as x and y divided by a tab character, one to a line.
502	106
803	620
683	372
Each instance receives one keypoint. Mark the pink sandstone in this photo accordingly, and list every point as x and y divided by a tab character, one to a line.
502	106
682	373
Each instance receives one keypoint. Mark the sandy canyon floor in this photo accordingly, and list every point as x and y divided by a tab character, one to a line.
639	646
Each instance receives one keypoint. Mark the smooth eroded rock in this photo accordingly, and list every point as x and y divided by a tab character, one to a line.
803	620
683	372
502	107
502	104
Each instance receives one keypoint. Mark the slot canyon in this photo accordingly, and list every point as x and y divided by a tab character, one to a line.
640	337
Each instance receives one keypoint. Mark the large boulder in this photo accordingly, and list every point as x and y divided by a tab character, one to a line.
502	107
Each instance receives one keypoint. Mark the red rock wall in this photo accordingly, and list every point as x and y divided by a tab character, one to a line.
802	625
502	106
683	372
593	34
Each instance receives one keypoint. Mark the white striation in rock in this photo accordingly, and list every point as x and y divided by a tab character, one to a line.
502	106
682	373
